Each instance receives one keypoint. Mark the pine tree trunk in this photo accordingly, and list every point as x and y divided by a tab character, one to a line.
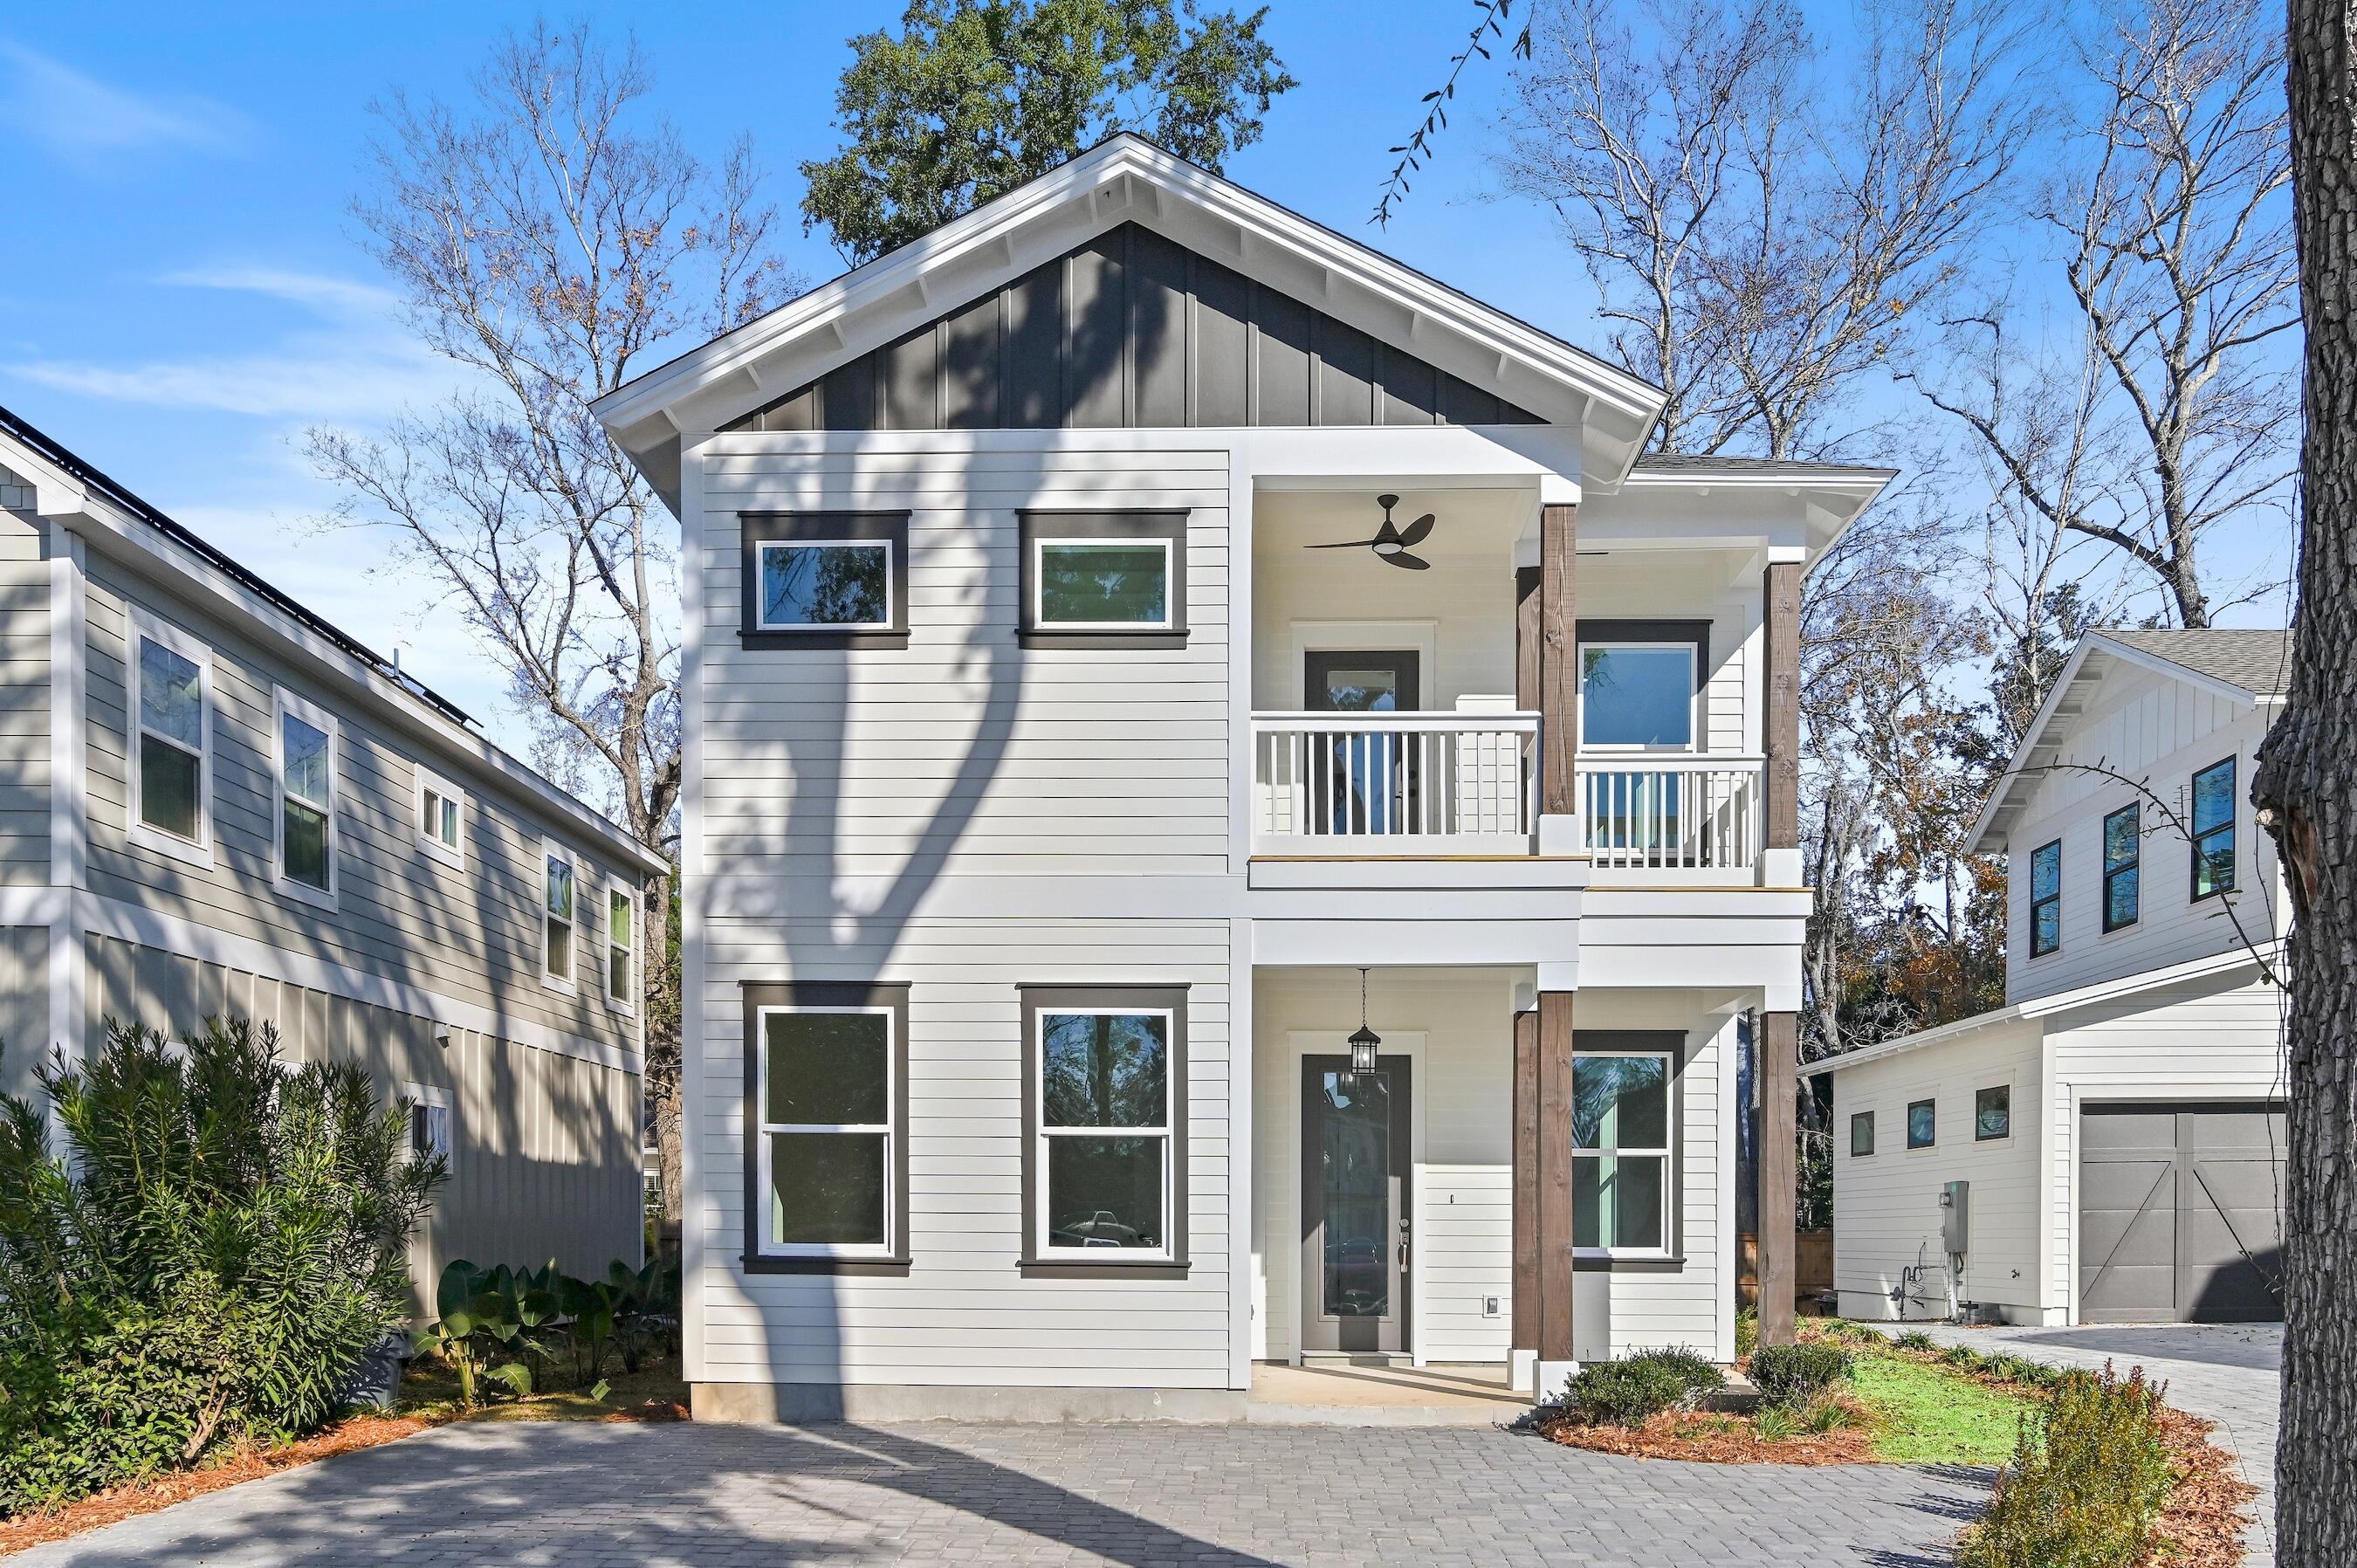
2306	789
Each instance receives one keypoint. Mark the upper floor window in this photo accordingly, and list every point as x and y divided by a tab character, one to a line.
1638	692
1861	1134
2045	898
1922	1123
2213	830
1993	1112
621	942
306	774
1114	575
557	918
171	766
2122	846
826	579
441	819
1620	1151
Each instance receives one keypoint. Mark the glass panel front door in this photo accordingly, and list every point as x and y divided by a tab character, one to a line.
1370	775
1355	1253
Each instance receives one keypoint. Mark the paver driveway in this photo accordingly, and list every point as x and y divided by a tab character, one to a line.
593	1495
2230	1372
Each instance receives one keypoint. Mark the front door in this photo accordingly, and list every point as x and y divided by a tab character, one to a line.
1370	783
1356	1252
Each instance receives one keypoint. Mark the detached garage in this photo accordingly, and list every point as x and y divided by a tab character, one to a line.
2180	1212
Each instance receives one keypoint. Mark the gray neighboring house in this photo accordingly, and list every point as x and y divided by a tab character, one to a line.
213	802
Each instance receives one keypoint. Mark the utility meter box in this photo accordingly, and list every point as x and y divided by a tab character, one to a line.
1956	1218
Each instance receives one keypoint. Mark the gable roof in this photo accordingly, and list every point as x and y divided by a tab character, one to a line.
1126	179
2245	667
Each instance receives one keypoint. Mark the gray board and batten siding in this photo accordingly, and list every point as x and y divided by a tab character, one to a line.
1131	330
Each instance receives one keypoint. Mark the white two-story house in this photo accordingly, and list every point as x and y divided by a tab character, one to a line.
1139	640
2118	1125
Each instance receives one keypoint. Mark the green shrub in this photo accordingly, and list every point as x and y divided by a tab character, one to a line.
1916	1340
2087	1480
1634	1388
205	1259
1791	1376
1746	1332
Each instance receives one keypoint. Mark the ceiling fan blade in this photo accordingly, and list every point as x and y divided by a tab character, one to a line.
1415	532
1345	544
1413	562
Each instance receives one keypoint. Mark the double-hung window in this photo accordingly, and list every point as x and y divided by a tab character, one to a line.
305	770
171	764
827	1074
1620	1125
559	922
2045	899
2123	845
429	1124
2213	830
1096	579
441	819
1106	1118
621	943
832	579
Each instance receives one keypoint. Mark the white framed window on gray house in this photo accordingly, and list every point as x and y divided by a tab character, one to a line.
827	1114
430	1129
621	944
559	915
171	767
1621	1117
2123	852
303	770
1104	1126
441	819
824	579
2213	830
1103	579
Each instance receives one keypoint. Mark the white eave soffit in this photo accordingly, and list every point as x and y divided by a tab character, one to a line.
1127	179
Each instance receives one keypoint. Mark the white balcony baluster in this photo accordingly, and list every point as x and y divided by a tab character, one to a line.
1393	783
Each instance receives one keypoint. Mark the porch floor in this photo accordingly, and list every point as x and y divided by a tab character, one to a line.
1337	1393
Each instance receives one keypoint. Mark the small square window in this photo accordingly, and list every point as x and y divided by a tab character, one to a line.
1993	1112
1116	576
1638	695
1861	1134
824	579
1922	1124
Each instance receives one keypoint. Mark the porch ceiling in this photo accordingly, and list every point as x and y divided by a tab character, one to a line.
1472	525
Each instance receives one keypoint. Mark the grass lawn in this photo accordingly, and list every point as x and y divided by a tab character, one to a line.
1926	1413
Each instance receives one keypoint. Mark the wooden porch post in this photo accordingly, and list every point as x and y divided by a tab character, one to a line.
1559	671
1779	1031
1552	1135
1525	1223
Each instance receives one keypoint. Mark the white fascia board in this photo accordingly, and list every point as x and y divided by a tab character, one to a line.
132	544
2039	1007
1125	178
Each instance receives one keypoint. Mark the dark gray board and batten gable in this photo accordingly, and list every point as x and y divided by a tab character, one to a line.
1131	330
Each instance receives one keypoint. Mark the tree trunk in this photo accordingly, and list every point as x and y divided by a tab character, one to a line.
2306	791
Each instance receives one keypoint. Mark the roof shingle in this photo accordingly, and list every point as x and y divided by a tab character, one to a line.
2257	661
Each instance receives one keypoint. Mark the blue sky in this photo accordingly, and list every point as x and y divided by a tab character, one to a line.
180	295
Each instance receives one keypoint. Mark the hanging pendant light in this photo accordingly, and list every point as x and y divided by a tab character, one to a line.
1364	1044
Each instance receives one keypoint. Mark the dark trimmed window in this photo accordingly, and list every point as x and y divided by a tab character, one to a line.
2213	830
1861	1134
2045	898
1622	1113
1104	1119
1922	1123
826	1111
2123	842
824	579
1103	579
1993	1112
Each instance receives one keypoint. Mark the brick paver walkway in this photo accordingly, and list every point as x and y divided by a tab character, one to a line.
600	1496
2230	1372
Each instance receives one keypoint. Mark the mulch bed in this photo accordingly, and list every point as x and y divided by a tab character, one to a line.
2203	1524
1714	1439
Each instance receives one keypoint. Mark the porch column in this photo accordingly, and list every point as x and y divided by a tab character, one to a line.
1525	1222
1552	1135
1780	1030
1558	679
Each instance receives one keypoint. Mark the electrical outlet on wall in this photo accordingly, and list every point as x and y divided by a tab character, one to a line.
1489	1306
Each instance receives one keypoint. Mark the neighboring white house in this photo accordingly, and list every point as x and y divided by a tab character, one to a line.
2119	1122
215	802
1120	623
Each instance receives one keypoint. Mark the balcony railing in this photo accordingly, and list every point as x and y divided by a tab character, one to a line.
1672	814
1393	783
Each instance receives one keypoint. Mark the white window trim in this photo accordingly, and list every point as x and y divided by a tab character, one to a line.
439	1098
1040	620
1042	1249
283	703
615	885
761	549
569	983
1694	701
770	1247
452	857
1667	1154
199	852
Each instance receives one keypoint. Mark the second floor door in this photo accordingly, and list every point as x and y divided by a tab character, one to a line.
1371	774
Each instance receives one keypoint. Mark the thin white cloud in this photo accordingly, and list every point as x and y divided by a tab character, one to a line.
328	296
89	123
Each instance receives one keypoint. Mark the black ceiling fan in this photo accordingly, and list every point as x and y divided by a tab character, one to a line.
1391	541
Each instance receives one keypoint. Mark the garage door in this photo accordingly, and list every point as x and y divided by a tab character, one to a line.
2178	1219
